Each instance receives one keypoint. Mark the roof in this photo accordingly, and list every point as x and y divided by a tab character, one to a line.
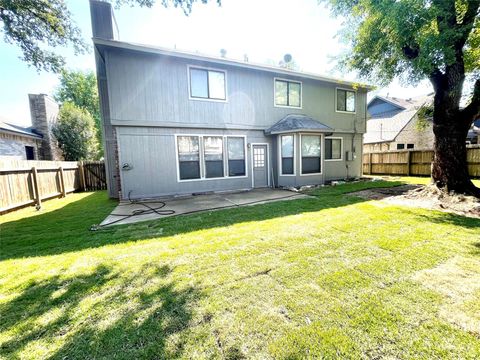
295	122
385	127
20	130
220	60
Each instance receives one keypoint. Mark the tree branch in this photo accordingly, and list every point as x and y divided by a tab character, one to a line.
472	111
468	21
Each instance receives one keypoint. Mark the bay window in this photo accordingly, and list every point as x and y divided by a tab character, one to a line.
311	154
287	154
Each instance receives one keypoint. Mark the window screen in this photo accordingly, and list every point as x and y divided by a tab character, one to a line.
287	154
333	149
311	154
236	156
213	154
188	157
288	93
207	84
345	100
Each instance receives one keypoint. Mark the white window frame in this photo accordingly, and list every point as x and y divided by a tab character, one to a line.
190	97
202	157
294	154
292	81
341	111
322	153
267	164
341	147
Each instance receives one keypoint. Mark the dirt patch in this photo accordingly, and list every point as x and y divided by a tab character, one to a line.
426	197
458	283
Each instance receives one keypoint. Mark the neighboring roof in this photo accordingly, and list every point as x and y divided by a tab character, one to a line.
385	127
26	131
295	122
224	61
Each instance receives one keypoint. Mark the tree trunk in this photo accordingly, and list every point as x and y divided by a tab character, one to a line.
449	169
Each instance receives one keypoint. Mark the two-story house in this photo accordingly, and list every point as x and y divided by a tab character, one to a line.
181	123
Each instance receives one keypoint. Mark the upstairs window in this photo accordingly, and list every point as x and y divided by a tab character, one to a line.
288	93
333	149
345	100
287	154
207	84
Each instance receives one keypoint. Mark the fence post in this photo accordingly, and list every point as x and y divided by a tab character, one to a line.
81	174
38	199
62	182
370	164
409	161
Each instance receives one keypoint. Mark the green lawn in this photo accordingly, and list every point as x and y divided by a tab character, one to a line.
333	276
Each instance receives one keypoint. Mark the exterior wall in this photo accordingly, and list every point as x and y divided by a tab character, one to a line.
13	146
331	169
411	134
151	154
379	106
44	113
152	90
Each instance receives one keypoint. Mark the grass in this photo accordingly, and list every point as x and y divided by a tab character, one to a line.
328	277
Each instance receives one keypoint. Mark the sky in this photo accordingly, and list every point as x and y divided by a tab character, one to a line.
264	30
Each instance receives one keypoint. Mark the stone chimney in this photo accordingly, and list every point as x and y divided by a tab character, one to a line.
104	25
44	113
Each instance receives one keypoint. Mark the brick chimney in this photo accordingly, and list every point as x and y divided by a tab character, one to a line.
44	113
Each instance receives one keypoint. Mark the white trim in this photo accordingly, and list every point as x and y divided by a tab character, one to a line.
341	147
287	106
346	112
279	141
190	97
201	157
322	152
267	165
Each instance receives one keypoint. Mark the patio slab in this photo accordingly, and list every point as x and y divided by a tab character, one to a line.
131	212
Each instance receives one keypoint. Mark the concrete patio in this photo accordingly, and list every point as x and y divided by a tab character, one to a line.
131	212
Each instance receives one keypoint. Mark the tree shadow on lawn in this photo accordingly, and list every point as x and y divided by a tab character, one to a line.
67	229
120	319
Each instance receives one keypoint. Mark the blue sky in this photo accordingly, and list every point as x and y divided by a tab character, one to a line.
264	30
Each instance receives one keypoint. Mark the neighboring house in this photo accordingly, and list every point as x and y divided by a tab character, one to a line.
34	142
394	124
473	136
181	123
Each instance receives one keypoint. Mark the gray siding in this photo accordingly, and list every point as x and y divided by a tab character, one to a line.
379	106
152	90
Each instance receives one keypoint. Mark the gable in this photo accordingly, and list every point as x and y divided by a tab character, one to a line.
379	106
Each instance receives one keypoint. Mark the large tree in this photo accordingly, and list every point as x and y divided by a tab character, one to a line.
437	40
80	88
40	26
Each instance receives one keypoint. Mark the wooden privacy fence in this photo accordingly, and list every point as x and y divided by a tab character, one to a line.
29	182
412	162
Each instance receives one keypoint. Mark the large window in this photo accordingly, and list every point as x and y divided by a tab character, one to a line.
213	154
311	154
207	84
236	156
333	149
288	93
287	154
345	100
188	157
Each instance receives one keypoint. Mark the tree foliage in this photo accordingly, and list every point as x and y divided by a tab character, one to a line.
75	133
39	26
80	89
